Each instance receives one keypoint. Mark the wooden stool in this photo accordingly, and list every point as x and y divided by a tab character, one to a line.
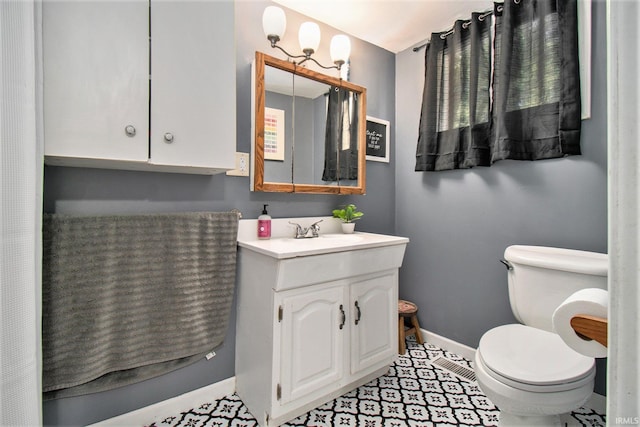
408	310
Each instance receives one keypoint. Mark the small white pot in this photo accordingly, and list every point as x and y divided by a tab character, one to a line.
348	227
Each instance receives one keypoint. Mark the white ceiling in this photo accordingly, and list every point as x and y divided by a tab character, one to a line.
394	25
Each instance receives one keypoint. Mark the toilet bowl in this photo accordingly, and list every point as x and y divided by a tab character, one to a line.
532	375
526	369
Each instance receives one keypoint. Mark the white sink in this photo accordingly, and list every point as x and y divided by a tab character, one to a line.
289	247
329	257
283	245
356	237
324	239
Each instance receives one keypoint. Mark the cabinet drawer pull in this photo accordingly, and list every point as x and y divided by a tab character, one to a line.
359	314
168	137
344	317
130	131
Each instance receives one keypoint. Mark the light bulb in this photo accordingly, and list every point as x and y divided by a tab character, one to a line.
340	49
309	37
274	22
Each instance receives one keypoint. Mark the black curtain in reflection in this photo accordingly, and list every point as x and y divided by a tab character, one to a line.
341	137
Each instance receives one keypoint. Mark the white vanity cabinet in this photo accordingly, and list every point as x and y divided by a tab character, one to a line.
316	318
374	304
312	341
140	85
321	325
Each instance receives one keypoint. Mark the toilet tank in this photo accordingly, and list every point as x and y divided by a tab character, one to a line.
541	278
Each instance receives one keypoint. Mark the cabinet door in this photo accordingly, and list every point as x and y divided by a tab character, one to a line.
312	342
374	331
193	84
96	79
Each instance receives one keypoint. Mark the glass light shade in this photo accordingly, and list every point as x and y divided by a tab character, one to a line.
274	21
309	37
340	48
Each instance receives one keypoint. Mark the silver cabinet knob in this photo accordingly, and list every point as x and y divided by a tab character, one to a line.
168	137
130	131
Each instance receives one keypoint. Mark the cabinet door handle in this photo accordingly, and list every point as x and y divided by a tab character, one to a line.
130	130
344	317
168	137
359	314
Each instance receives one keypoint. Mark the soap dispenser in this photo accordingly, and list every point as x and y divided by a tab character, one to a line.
264	224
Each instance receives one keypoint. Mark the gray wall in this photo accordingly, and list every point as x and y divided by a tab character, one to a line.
95	191
461	221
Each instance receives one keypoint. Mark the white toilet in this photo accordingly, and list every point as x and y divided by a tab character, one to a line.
526	369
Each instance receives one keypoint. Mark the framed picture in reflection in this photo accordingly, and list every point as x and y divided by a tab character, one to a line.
273	134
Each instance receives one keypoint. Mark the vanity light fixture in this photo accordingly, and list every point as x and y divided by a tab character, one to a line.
274	23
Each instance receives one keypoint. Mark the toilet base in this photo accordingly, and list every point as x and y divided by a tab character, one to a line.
511	420
529	408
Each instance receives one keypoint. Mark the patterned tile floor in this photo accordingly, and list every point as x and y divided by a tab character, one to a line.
414	393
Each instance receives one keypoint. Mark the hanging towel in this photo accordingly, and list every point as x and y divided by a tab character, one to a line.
127	298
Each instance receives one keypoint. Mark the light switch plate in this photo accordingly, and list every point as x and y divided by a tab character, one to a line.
242	165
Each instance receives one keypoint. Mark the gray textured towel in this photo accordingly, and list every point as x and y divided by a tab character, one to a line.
127	298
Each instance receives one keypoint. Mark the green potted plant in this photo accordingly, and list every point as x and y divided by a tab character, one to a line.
348	215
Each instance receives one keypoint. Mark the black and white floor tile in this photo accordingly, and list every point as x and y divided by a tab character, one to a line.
414	393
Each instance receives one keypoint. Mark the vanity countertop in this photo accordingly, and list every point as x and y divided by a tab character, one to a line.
283	245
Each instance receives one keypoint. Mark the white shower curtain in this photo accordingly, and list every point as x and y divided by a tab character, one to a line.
623	376
20	213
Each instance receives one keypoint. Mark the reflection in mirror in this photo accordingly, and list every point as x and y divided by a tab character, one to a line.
311	116
309	130
341	137
278	125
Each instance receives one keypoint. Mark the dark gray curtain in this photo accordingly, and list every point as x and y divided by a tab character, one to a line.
536	112
454	123
341	138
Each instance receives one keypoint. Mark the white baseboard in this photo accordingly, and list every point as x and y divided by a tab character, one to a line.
449	345
159	411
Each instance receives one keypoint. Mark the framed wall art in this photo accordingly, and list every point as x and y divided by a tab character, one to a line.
377	138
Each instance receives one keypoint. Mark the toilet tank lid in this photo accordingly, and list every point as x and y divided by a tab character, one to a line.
572	260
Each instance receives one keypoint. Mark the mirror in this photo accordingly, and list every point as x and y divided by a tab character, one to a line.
309	130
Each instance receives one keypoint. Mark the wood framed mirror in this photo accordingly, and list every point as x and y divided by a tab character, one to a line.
308	128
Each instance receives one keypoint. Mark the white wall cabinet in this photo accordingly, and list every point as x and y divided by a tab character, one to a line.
313	326
140	85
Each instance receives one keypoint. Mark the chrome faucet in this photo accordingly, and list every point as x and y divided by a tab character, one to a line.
315	229
302	233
